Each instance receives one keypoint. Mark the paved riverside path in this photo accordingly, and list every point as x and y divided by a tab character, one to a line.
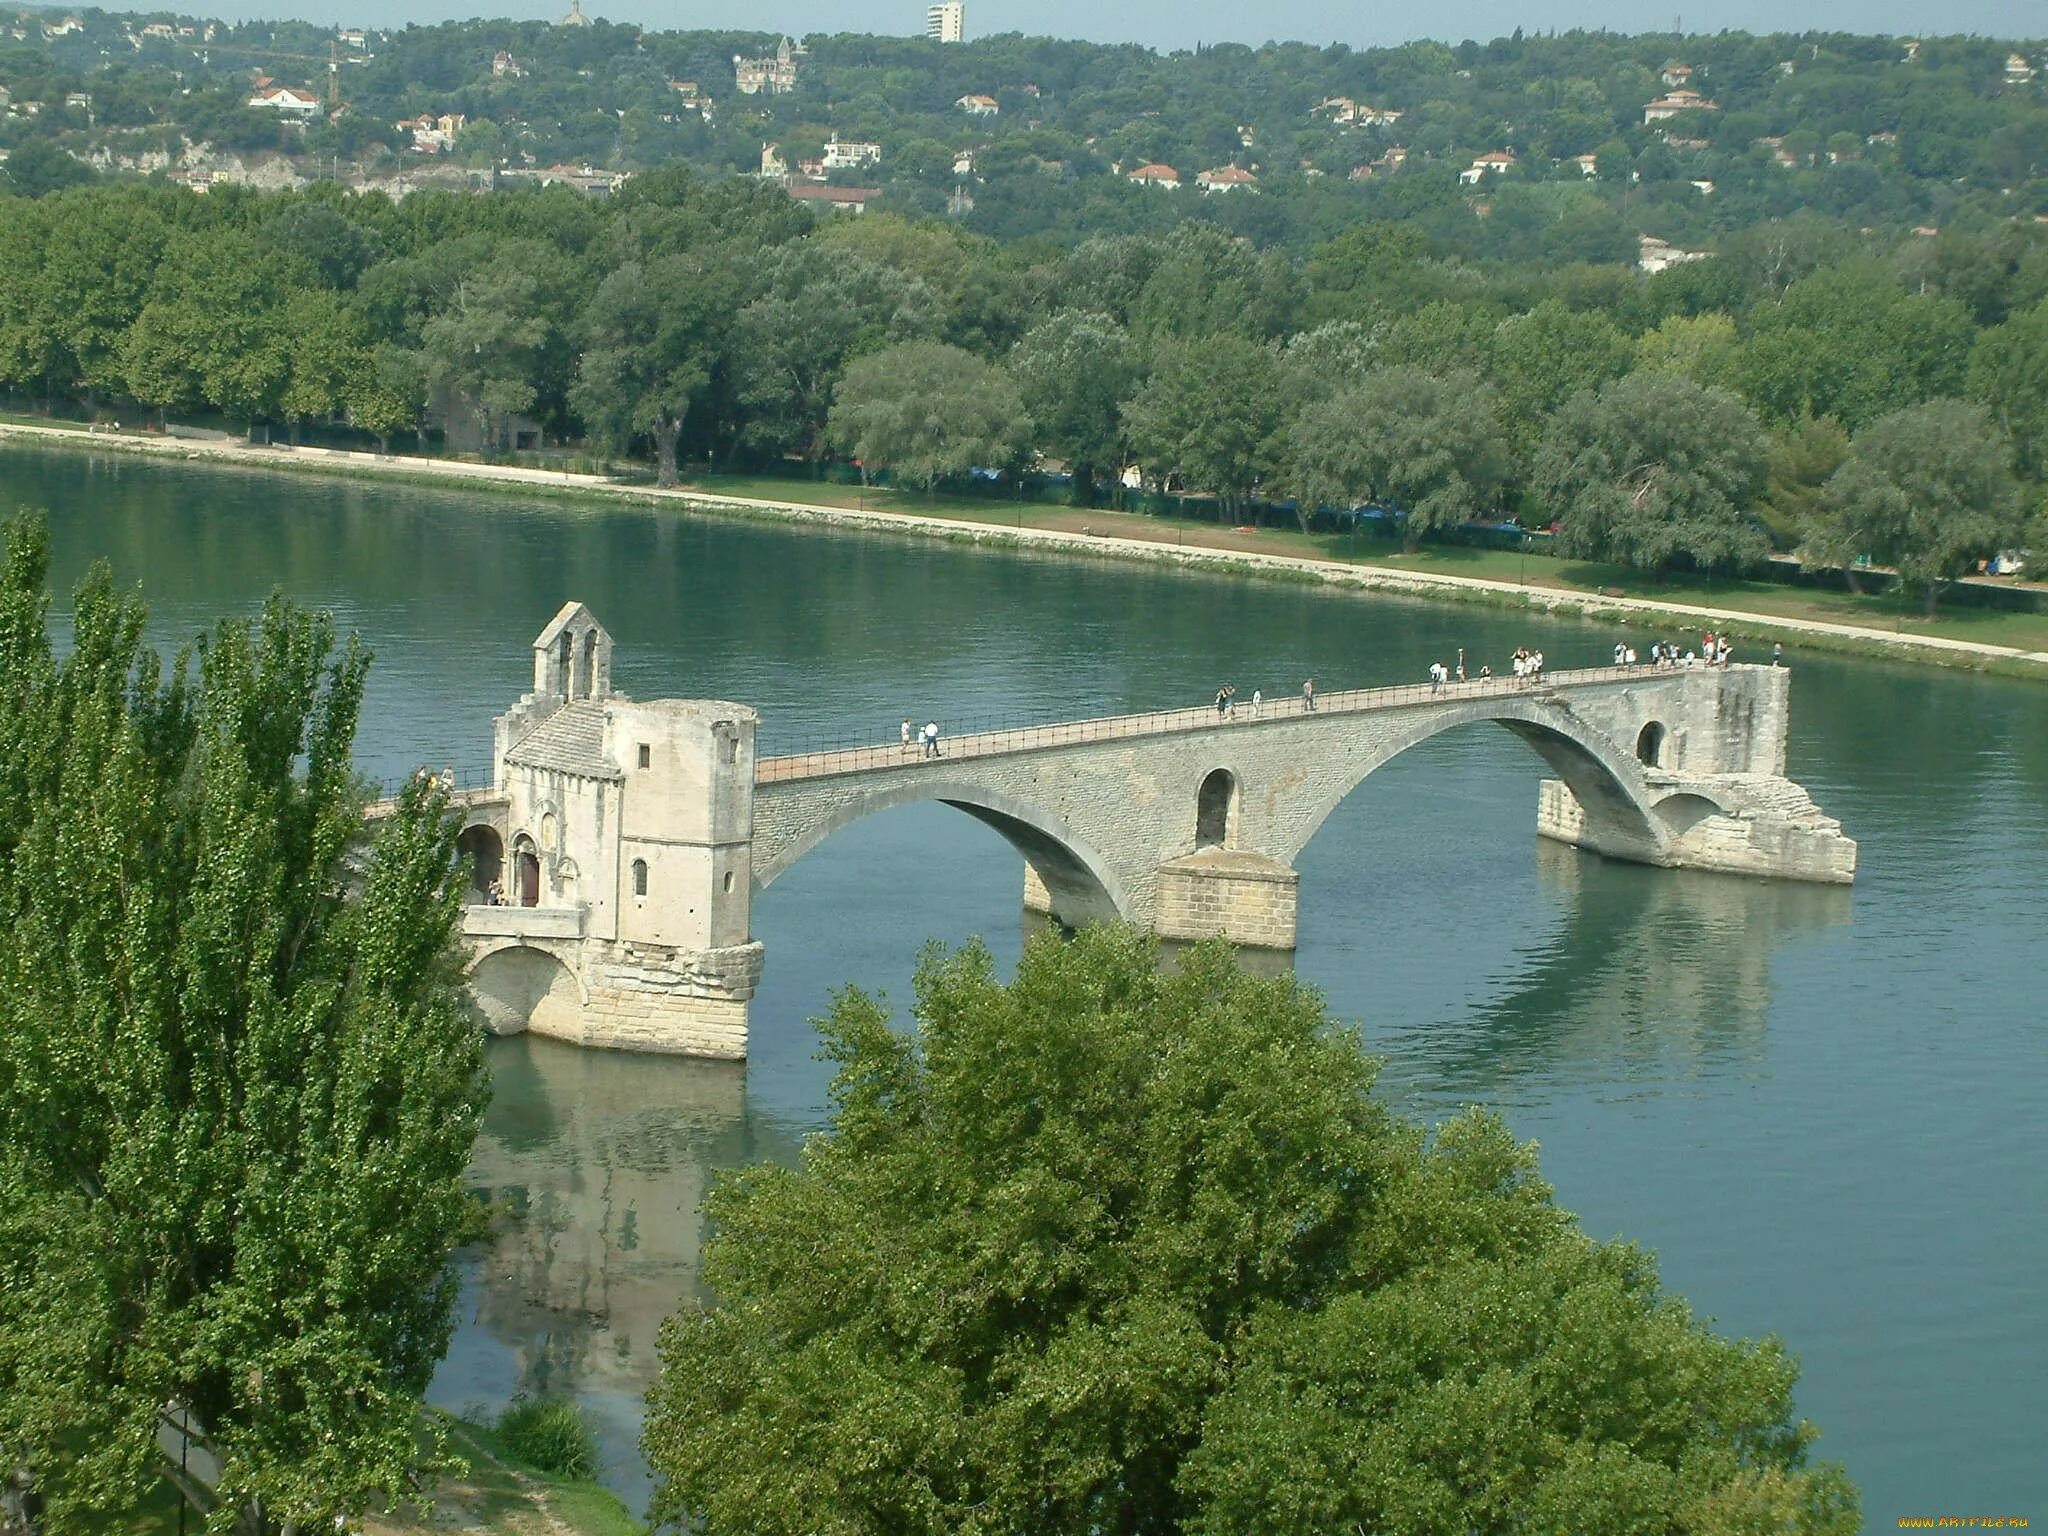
1166	722
1852	638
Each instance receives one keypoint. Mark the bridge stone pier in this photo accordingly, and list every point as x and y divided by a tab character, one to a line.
626	840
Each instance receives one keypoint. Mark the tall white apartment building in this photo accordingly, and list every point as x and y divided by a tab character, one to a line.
946	22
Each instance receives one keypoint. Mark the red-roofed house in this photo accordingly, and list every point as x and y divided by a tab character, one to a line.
1155	176
1225	178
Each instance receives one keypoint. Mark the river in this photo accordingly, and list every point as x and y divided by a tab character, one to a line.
1824	1109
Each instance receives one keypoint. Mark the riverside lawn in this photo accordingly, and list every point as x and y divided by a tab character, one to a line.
1990	640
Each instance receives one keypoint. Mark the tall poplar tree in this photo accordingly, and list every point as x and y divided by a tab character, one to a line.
237	1089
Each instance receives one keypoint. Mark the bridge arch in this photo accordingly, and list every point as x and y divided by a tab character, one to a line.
1084	886
517	987
1602	774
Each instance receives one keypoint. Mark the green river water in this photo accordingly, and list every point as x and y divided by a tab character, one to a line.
1824	1109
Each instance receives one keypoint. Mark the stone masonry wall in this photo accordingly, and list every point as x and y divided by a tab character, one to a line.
1099	818
1246	898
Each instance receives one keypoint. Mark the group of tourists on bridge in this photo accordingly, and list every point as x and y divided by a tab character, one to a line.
1527	662
1226	700
1714	651
927	739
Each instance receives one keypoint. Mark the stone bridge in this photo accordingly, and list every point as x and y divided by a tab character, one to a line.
624	841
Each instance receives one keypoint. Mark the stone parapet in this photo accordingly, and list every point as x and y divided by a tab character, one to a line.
1246	897
502	922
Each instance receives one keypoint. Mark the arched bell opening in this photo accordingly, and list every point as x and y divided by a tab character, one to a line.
526	870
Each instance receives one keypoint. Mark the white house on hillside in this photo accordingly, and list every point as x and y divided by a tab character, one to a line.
286	101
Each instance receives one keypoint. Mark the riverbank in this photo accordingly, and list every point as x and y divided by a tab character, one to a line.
1957	640
492	1494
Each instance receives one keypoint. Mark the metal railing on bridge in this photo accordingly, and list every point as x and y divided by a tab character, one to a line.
985	737
467	778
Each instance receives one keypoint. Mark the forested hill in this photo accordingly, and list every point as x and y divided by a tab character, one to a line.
1531	147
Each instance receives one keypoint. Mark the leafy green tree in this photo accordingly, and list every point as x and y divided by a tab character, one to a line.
238	1088
1928	491
1541	359
1702	347
1074	371
38	167
160	356
336	247
1208	417
818	310
2009	373
926	410
1847	343
483	348
651	338
31	350
1110	1249
1206	282
390	395
1654	469
330	355
103	252
1430	446
1803	456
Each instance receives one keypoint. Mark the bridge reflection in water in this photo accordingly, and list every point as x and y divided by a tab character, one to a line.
595	1166
1647	975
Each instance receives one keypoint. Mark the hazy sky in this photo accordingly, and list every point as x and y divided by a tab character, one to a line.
1183	23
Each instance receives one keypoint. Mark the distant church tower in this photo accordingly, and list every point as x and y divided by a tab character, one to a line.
575	18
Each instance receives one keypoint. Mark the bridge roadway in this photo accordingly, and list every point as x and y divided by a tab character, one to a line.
629	838
1163	722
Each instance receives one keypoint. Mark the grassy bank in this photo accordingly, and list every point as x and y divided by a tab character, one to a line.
1535	573
1757	612
496	1496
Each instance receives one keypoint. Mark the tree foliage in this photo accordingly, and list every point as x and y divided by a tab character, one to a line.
237	1088
928	410
1208	415
1928	490
1109	1249
1429	446
1652	470
1074	371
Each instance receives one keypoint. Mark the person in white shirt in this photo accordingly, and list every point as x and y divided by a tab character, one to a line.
931	738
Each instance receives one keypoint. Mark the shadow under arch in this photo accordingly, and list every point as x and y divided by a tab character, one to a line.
1083	887
1603	777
